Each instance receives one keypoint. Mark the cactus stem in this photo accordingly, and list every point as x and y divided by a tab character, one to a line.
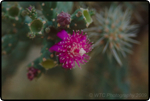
44	59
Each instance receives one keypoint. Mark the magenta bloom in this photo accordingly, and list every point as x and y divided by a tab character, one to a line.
72	48
32	72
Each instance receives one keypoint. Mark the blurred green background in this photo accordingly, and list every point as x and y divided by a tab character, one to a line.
77	83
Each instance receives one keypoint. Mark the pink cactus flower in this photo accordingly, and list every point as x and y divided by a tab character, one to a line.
32	72
72	48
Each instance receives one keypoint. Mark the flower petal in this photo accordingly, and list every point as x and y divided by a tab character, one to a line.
62	34
55	48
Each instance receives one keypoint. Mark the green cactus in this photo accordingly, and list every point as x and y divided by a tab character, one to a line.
113	33
8	43
27	4
81	18
113	39
14	12
48	10
17	55
36	25
111	78
112	36
31	12
36	64
47	59
41	28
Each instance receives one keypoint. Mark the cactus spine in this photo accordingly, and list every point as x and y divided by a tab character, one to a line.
113	33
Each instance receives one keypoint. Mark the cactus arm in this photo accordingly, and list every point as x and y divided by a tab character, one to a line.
81	19
48	10
31	12
47	59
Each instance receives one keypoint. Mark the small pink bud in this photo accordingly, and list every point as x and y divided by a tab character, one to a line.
63	19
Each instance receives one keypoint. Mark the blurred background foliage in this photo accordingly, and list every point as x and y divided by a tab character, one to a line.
94	77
